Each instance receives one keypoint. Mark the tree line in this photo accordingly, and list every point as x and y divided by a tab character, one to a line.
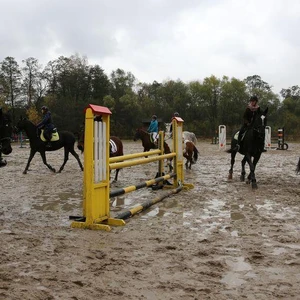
68	84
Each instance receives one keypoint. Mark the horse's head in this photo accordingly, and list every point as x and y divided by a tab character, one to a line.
260	123
137	135
80	144
5	133
20	125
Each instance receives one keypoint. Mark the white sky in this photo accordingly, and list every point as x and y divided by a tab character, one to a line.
161	39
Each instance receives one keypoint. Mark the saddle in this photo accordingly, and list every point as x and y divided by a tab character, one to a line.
113	147
54	136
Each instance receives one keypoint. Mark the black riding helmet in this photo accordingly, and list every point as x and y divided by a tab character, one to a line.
45	108
254	98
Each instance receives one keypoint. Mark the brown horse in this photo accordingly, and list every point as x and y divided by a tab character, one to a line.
148	144
115	148
190	152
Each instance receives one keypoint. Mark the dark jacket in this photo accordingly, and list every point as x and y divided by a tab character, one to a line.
46	123
250	114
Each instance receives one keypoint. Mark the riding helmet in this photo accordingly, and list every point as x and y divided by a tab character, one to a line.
254	98
154	117
176	114
45	108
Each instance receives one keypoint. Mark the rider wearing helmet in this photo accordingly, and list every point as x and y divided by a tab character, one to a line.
176	114
248	117
153	128
46	124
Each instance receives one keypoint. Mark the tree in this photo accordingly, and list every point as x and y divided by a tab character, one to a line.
31	78
11	82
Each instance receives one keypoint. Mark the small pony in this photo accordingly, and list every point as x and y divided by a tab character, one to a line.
190	152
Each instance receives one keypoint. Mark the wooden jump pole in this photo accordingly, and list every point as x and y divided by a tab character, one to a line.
97	166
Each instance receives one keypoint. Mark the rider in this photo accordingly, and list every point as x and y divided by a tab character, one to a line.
47	125
176	114
153	128
250	112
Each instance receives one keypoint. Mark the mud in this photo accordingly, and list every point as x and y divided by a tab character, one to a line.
220	240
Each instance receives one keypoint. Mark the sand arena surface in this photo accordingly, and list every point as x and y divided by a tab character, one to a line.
220	240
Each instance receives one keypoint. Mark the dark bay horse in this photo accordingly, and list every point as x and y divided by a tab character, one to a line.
147	143
66	141
5	136
145	137
190	152
115	148
251	147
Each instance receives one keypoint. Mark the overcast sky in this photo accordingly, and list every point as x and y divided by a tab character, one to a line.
161	39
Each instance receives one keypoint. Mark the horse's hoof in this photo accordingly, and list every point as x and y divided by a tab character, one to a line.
3	163
25	172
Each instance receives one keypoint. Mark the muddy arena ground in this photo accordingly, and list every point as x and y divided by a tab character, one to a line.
220	240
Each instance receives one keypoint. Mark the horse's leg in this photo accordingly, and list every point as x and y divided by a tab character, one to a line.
31	155
116	175
233	154
73	152
253	177
43	155
66	157
243	172
169	164
3	162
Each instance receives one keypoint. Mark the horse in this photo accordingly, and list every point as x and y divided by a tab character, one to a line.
115	148
189	136
298	166
190	152
251	147
5	136
148	144
66	140
186	135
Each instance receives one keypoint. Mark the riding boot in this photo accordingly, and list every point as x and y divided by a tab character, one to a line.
48	144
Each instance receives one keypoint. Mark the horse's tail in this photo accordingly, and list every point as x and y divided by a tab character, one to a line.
298	166
196	152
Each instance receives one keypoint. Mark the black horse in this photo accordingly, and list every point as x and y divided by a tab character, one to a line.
5	136
251	147
115	147
66	140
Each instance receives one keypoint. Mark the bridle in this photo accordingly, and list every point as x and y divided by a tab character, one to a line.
260	129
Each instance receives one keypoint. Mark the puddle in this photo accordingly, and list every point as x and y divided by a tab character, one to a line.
236	216
234	233
278	251
240	271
